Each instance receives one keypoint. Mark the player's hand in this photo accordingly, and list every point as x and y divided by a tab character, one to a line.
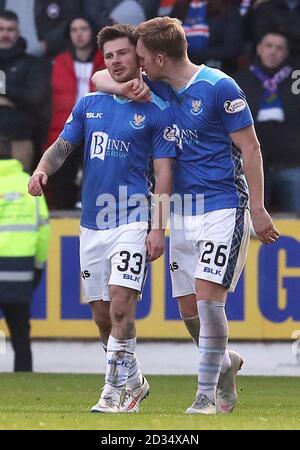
263	226
36	183
137	90
155	244
140	90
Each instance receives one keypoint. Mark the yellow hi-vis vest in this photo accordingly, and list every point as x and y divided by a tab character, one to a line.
24	227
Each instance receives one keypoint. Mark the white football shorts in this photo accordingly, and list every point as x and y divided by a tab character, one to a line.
112	257
211	246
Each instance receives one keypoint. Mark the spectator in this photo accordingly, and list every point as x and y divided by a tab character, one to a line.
43	23
26	89
28	30
282	16
71	80
268	86
214	31
52	19
24	237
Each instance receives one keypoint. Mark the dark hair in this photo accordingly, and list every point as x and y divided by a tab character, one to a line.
9	15
114	32
93	29
91	23
276	33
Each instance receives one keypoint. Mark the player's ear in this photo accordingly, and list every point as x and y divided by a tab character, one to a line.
161	59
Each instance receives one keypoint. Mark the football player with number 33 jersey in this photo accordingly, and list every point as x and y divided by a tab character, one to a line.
120	137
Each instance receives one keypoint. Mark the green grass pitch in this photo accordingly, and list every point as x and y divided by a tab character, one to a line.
62	401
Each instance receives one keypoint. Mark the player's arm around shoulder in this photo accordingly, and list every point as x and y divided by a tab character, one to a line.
135	89
246	140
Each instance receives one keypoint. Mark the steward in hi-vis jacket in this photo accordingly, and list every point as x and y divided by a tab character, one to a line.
24	240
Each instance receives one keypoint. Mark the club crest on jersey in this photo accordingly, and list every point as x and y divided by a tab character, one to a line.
234	106
196	107
138	121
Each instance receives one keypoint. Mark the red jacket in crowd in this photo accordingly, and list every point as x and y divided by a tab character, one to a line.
64	91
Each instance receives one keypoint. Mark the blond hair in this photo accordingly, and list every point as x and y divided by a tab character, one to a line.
163	34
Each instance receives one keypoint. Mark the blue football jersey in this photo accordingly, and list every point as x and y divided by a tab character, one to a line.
120	137
206	110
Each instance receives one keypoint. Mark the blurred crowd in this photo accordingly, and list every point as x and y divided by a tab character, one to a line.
48	54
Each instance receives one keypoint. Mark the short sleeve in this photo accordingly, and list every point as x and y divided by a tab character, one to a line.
74	127
232	106
163	137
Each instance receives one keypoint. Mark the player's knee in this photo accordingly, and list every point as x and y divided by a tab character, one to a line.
101	315
187	305
119	316
103	323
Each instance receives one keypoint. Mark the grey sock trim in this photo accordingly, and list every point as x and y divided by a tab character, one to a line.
210	303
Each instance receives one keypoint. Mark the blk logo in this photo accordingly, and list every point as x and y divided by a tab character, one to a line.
212	271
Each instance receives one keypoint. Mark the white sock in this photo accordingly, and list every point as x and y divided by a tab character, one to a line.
135	377
118	361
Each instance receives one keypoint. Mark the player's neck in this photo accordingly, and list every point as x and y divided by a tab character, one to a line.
180	74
